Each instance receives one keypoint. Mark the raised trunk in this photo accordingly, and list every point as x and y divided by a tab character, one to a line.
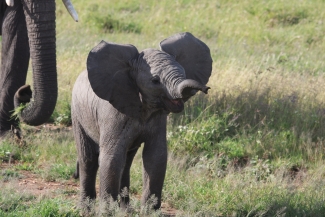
40	19
189	87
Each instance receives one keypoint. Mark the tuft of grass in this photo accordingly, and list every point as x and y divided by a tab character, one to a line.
11	201
107	23
287	19
58	171
8	174
62	114
14	204
17	111
51	154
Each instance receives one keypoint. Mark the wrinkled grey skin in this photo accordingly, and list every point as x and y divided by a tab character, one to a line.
122	101
28	31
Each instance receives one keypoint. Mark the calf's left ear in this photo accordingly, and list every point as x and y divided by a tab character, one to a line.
193	54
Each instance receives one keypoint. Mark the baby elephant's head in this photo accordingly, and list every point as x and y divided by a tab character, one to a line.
152	80
162	81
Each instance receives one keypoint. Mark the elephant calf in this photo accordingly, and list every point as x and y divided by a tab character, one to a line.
122	100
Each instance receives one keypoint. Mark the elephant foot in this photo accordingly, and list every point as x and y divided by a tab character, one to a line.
13	133
87	207
4	134
16	132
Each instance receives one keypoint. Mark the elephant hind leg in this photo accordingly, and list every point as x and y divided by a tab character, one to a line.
87	166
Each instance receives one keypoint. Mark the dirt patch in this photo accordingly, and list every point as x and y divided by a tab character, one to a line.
32	184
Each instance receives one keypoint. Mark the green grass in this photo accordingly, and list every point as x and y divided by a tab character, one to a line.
254	146
21	204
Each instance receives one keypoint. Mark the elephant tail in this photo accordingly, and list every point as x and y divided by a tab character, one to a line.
76	173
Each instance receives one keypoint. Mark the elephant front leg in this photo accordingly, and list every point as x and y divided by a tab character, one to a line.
87	171
154	168
87	166
14	62
111	166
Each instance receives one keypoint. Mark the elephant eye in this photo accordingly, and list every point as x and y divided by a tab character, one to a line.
155	80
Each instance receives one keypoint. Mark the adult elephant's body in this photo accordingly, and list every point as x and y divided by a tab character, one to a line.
122	101
28	31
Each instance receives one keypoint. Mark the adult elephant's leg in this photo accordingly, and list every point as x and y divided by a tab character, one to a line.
125	181
154	167
14	62
88	166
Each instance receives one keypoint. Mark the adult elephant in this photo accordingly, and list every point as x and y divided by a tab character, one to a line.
28	31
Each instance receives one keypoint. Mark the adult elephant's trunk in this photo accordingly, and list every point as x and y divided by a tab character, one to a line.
40	19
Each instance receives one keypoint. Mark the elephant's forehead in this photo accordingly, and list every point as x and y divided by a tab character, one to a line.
161	62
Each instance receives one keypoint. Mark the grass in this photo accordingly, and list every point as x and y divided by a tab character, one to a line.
254	146
22	204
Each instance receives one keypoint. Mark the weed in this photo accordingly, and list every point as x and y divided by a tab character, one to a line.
106	23
285	18
58	171
11	201
9	151
25	166
8	174
62	114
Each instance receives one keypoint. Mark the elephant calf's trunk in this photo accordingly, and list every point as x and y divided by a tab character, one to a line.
189	87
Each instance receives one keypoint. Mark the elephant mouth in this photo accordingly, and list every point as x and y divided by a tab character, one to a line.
173	105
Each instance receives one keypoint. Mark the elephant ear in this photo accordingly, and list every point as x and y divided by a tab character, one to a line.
109	76
191	53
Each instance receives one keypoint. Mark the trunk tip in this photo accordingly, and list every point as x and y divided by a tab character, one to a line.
24	94
205	89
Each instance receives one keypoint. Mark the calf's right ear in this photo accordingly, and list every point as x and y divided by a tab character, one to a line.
109	76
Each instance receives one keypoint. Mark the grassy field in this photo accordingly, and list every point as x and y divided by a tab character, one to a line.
254	146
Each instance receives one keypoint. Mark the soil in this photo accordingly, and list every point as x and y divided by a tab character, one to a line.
32	184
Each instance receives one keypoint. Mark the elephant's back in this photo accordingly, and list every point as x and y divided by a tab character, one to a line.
82	92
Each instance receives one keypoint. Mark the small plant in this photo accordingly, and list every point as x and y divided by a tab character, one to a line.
25	166
7	174
63	119
62	115
59	171
261	169
11	200
9	151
